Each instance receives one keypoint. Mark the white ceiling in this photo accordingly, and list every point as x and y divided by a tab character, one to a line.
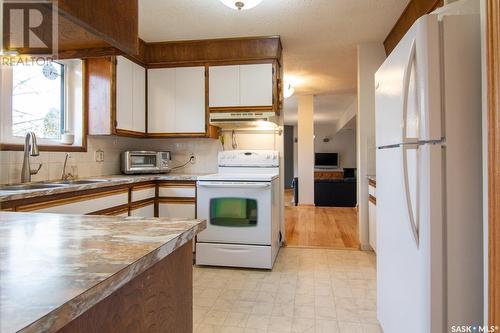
319	37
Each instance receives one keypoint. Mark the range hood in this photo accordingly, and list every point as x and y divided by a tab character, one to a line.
243	119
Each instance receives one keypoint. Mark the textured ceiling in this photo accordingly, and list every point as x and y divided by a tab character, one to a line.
319	37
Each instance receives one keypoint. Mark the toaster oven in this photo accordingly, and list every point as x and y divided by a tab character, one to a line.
137	162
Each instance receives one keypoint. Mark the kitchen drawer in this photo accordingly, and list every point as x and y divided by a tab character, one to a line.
84	204
143	193
183	210
236	255
177	191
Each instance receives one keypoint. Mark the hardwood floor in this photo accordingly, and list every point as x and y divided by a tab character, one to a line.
324	227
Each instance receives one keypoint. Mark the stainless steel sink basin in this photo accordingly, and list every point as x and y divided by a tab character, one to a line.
79	181
27	187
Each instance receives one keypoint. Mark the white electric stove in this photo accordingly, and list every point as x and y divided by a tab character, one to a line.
241	206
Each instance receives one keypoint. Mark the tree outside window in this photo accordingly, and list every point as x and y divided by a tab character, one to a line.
38	100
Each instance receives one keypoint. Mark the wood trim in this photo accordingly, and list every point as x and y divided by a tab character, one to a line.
141	203
200	52
113	210
493	77
177	183
61	148
176	200
116	25
175	135
143	187
98	94
414	10
223	109
128	133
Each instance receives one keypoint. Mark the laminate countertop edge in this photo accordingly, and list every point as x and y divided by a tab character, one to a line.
64	313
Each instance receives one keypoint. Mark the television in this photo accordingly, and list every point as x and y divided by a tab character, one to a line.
326	160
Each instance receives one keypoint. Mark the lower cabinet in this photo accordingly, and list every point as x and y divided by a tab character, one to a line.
96	203
184	210
147	210
372	222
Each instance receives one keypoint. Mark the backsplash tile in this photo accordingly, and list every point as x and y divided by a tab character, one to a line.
205	151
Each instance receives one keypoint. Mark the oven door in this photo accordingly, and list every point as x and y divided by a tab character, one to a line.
236	212
143	162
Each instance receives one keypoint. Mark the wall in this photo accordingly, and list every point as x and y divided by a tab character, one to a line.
306	150
205	150
343	142
370	57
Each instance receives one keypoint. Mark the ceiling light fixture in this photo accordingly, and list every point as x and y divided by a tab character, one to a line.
241	4
289	90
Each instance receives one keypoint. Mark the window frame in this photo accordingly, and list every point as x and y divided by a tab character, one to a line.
47	144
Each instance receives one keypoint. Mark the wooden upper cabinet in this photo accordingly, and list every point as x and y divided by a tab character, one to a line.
176	101
115	96
241	86
256	85
161	100
130	96
224	86
190	108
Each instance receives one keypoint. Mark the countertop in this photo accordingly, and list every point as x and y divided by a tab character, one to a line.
113	181
55	267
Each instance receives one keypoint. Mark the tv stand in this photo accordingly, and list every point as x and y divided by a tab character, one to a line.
328	174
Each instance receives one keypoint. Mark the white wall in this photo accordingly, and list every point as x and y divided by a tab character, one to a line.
370	57
295	152
306	150
342	142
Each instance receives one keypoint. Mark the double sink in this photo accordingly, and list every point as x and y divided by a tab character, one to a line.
50	185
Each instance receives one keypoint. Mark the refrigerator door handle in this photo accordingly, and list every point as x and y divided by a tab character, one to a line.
414	227
406	88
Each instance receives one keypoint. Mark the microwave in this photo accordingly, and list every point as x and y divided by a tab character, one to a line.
136	162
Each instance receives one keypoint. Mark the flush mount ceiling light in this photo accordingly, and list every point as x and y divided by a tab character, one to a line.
241	4
289	90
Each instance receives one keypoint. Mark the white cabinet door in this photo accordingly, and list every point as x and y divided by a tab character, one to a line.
88	206
256	85
224	86
190	100
146	211
177	210
161	100
124	96
372	225
139	99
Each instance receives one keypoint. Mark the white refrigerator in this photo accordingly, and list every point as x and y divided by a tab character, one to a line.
429	192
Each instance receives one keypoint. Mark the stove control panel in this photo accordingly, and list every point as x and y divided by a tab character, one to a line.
249	158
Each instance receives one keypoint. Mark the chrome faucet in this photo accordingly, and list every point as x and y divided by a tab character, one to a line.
30	149
65	175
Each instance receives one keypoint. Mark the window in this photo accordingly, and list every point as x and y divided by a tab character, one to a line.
38	100
46	99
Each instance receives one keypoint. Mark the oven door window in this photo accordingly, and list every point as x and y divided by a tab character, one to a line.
233	212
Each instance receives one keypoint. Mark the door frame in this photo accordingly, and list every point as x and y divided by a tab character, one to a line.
493	93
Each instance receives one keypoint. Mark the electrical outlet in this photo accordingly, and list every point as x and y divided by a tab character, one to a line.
99	155
192	158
